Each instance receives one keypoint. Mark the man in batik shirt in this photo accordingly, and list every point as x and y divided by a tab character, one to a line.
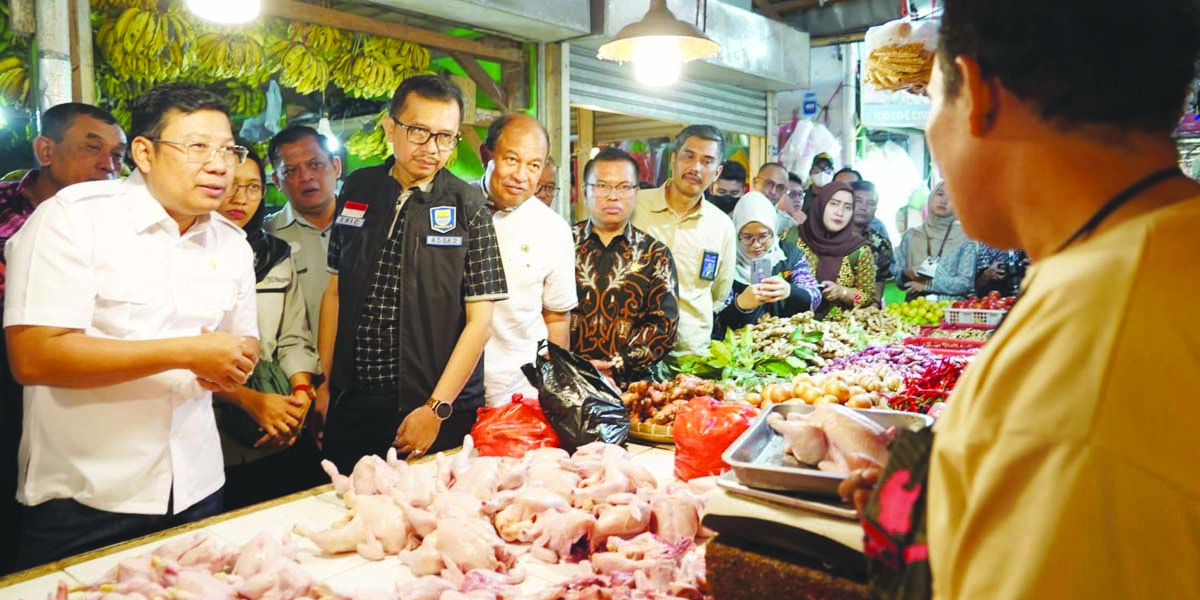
627	314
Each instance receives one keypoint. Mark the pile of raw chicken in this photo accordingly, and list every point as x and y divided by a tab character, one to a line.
460	527
833	438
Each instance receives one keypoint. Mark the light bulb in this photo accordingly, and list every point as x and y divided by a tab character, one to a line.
657	61
230	12
325	128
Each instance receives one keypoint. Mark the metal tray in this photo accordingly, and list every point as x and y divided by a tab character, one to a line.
729	482
759	460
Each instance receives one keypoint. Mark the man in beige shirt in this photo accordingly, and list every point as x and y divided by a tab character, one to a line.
1065	463
699	235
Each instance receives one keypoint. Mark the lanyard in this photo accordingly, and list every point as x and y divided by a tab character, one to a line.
942	249
1126	196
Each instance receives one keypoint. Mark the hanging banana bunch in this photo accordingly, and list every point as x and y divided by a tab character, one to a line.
329	43
145	44
299	67
364	75
372	143
14	81
244	99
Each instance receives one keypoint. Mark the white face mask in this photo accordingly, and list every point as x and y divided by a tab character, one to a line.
822	179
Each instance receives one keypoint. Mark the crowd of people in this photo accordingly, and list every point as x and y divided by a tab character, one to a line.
379	315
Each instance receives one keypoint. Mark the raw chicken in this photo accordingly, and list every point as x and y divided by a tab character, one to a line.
555	535
429	587
552	469
459	545
675	513
523	508
623	515
833	437
375	526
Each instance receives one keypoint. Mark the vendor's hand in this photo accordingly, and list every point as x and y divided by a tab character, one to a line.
858	487
832	291
916	286
773	289
221	362
417	432
279	416
992	274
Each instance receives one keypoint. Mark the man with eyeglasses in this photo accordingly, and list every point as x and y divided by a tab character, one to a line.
538	255
307	174
700	236
548	185
414	273
128	303
772	182
628	312
78	142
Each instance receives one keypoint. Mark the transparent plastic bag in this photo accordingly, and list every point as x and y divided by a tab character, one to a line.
900	55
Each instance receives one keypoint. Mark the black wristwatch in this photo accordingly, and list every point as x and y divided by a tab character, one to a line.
442	410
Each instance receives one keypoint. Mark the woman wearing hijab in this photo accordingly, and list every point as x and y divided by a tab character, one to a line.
845	264
937	258
260	422
788	288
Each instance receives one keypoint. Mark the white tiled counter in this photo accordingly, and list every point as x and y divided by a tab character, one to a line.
347	574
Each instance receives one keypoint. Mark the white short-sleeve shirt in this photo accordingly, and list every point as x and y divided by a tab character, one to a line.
105	258
539	264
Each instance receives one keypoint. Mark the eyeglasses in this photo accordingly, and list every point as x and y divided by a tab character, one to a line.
420	136
761	239
202	152
290	171
770	187
793	194
547	189
604	190
253	190
821	170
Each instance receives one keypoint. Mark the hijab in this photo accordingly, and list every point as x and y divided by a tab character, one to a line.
754	207
831	248
268	249
928	238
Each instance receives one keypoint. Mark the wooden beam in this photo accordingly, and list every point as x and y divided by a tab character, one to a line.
310	13
475	71
471	137
583	152
514	80
767	8
833	40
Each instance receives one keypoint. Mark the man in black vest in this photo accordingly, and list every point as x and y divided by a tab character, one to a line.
414	272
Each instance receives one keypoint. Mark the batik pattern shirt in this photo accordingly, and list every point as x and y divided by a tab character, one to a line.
627	298
15	208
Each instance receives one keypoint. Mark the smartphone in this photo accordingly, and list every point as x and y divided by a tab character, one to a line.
760	269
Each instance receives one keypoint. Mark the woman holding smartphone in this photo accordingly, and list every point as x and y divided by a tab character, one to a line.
768	279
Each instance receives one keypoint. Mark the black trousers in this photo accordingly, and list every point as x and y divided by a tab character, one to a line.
295	469
364	424
11	409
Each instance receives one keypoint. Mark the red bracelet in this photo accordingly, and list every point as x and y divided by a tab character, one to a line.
303	387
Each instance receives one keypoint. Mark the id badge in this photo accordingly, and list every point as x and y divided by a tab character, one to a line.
928	268
708	265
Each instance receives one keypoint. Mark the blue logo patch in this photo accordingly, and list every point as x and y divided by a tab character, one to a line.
442	219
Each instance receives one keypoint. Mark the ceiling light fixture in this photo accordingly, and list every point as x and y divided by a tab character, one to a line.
658	45
228	12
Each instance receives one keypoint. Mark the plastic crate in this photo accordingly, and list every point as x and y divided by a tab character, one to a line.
973	316
946	347
935	331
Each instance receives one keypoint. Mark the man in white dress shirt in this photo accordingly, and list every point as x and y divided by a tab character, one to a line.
538	254
128	302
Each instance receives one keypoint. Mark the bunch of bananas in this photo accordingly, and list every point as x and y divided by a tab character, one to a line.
229	55
299	67
372	143
327	42
244	99
364	75
116	6
146	44
119	89
14	81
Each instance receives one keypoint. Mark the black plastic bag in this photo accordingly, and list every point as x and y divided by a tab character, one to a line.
579	403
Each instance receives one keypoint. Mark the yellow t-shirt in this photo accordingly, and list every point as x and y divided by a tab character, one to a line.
1068	462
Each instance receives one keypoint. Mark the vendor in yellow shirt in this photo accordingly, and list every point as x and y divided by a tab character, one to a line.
1067	463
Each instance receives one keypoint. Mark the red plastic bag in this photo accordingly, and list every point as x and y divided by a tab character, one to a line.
512	429
704	428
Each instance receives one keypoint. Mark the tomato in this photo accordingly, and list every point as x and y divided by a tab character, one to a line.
993	295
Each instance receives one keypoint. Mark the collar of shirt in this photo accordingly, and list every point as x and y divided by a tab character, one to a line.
287	216
657	202
424	186
146	211
589	232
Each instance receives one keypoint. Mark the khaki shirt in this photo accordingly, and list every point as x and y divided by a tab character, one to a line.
310	251
1066	463
688	238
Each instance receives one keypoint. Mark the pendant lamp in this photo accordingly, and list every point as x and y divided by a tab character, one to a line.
228	12
658	45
